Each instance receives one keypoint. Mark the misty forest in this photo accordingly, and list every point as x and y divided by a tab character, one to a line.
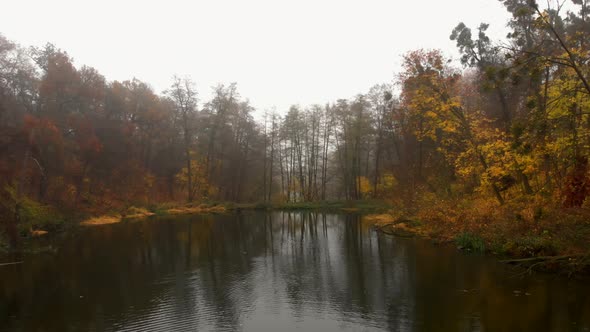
488	153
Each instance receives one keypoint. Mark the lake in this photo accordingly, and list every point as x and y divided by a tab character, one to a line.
279	271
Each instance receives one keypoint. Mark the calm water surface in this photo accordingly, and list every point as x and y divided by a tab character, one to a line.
275	272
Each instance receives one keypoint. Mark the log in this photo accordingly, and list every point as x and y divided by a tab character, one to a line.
13	263
393	223
400	232
540	259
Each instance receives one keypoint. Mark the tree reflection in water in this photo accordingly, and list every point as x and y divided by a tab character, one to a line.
275	271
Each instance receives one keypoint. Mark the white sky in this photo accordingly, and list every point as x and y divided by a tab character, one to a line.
279	52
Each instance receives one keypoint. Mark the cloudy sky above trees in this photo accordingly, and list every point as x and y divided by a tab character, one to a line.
279	52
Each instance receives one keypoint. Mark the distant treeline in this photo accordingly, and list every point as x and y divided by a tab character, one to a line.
513	123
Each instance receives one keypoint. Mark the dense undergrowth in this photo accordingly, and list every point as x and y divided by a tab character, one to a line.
526	227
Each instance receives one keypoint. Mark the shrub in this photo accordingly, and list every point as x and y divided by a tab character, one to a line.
530	246
32	214
470	242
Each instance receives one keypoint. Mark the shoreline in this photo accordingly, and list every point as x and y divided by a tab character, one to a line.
535	246
528	252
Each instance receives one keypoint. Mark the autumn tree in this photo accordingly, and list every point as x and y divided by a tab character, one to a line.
440	118
184	97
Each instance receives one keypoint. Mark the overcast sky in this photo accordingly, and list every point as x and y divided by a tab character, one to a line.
279	52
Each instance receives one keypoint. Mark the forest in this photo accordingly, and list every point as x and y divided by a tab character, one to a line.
502	135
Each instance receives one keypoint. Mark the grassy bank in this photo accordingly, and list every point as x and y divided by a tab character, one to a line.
37	220
161	209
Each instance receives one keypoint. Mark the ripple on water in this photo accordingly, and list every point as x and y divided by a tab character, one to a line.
261	272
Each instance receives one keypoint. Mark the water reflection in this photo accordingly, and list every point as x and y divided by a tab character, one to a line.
275	272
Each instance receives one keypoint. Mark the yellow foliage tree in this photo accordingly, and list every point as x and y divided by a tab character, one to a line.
199	187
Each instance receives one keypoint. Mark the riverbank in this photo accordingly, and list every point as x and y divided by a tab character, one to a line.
41	221
365	206
165	209
536	235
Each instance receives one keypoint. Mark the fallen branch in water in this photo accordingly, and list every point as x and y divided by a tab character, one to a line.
541	259
397	228
403	233
382	227
572	264
393	223
385	232
13	263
